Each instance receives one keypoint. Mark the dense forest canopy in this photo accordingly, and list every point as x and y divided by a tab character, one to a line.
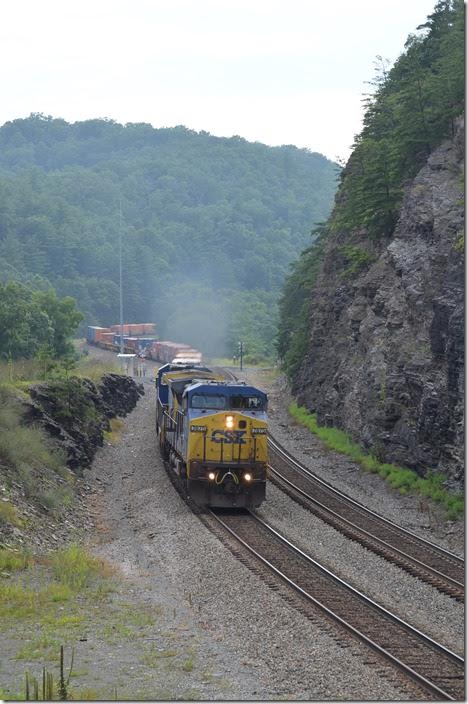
411	110
209	225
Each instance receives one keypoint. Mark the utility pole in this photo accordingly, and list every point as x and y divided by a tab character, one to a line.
120	277
241	352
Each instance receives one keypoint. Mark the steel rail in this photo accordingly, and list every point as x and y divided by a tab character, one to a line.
370	538
421	637
443	581
307	471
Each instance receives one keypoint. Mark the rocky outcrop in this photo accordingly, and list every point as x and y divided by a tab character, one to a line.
76	412
386	355
119	394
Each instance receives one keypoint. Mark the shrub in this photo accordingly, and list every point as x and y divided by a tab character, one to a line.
357	258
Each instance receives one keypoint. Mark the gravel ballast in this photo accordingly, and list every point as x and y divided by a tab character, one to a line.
254	644
415	513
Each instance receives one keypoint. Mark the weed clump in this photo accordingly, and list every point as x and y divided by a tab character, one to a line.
13	560
9	515
114	435
74	567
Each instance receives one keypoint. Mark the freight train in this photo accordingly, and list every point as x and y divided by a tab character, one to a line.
213	435
140	339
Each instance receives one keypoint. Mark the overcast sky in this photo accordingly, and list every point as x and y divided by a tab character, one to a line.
276	71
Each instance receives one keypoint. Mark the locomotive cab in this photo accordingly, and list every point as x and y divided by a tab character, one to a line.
226	444
214	435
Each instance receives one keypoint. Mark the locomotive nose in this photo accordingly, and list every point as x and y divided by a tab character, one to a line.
229	486
230	482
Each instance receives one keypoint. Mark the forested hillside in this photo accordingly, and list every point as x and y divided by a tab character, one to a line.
209	225
371	328
411	110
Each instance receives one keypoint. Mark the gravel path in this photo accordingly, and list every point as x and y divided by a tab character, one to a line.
245	641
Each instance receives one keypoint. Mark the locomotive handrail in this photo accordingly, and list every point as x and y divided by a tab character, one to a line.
168	420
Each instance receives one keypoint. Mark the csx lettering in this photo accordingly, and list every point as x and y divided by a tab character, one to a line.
228	436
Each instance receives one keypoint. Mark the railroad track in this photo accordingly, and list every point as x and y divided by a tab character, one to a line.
437	670
417	556
421	558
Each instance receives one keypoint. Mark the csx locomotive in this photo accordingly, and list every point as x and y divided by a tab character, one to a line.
213	434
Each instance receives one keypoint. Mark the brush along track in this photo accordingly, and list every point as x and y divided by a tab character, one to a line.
437	670
417	556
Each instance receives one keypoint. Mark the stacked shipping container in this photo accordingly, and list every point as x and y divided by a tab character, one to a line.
139	337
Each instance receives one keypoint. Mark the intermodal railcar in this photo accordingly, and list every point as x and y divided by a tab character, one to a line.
213	434
139	338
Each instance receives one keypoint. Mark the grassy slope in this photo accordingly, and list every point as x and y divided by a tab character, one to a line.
404	480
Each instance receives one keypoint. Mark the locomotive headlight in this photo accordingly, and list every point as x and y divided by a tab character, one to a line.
247	477
211	476
229	422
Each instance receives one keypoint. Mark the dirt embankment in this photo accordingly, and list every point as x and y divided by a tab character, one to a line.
74	414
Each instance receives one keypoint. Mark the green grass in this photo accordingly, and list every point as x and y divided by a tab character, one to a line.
74	571
26	449
52	600
74	567
27	446
14	560
94	369
21	373
252	363
114	435
88	694
17	601
43	648
187	665
405	481
20	370
11	696
9	515
153	656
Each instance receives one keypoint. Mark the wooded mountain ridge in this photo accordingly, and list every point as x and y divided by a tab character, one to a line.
209	225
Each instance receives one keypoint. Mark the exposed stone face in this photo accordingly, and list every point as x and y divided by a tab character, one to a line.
386	353
76	413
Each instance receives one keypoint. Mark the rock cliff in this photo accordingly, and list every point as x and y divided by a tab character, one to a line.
77	413
385	360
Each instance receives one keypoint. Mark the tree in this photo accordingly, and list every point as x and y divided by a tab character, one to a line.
24	325
64	318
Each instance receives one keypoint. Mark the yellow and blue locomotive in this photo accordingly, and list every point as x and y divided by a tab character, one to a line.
213	433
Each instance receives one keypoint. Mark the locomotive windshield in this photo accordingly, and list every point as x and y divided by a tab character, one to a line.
215	402
251	403
234	403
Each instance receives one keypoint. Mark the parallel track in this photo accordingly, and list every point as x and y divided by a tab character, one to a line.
437	670
419	557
